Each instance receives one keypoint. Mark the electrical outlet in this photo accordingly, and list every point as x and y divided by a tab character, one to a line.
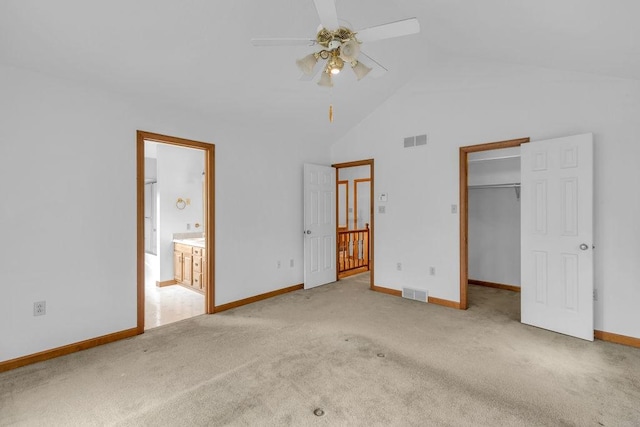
188	226
399	266
279	264
432	271
291	262
595	295
40	308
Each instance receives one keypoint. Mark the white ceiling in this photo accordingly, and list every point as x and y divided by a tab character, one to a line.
197	55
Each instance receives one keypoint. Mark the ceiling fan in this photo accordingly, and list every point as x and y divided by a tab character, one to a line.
340	45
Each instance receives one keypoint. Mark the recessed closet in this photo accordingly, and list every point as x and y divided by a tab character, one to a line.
494	218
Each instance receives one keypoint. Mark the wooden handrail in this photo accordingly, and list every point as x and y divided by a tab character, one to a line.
360	230
353	249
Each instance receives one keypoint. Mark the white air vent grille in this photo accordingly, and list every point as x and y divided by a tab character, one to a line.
415	294
415	141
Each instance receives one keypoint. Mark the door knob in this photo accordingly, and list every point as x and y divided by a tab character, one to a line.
584	246
308	231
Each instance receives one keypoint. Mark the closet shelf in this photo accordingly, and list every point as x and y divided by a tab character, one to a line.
485	159
510	185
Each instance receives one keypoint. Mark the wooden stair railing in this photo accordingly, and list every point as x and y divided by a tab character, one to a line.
353	249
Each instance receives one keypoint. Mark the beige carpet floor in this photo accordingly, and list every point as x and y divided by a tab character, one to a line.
362	357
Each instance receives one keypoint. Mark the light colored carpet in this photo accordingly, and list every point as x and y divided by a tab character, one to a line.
363	357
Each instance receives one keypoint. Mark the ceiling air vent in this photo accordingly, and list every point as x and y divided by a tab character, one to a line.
415	141
409	141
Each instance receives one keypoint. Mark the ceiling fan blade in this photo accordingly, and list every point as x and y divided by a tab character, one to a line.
274	41
327	13
387	31
377	69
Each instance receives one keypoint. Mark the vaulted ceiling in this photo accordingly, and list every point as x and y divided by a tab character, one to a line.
197	55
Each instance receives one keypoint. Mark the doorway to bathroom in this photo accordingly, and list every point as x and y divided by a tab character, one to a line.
175	221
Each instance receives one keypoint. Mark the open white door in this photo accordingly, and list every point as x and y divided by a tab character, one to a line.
319	225
557	235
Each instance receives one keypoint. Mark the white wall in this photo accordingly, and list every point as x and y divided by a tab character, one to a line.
494	218
467	102
68	215
494	235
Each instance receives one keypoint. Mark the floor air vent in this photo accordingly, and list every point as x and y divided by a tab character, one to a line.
415	294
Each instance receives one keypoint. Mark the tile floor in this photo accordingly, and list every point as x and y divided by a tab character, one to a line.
170	303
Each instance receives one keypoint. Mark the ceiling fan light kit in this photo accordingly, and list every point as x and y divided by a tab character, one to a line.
307	63
325	80
360	69
340	44
335	63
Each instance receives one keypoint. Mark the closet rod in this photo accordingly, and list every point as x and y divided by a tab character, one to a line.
511	185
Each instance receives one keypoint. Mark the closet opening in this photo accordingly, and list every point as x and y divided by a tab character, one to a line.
490	218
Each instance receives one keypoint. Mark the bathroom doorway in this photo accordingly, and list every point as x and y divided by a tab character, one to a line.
179	220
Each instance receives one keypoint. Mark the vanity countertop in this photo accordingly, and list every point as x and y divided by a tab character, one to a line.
197	241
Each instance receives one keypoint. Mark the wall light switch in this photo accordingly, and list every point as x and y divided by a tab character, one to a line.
454	209
382	209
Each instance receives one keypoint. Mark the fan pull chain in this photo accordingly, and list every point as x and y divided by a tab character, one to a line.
331	113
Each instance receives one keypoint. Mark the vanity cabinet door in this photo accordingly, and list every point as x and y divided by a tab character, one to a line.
177	266
187	268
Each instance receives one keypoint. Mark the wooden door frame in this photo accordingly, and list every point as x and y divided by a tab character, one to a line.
209	219
370	163
464	208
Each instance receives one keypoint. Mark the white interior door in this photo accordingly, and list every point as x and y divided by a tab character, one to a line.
319	225
557	235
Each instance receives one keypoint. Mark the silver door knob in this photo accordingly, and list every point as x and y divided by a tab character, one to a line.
308	231
584	246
